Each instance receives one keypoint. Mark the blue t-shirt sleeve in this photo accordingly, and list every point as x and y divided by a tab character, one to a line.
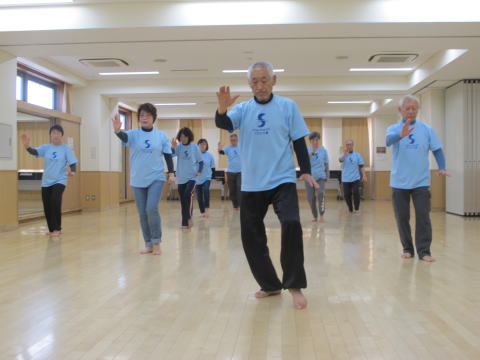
131	138
198	154
236	116
71	159
393	135
166	146
326	156
298	128
360	160
42	149
435	143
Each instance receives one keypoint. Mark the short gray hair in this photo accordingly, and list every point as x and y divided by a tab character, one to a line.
408	98
260	65
314	135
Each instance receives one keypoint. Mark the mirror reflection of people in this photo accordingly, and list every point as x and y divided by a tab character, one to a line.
411	141
57	157
268	125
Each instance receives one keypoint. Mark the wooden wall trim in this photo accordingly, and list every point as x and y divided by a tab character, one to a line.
25	107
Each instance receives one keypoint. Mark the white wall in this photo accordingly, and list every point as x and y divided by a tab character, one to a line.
433	113
212	134
380	124
8	104
454	149
332	139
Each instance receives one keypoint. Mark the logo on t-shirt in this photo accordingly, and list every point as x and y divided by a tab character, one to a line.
411	142
261	120
261	129
54	155
147	144
186	153
315	156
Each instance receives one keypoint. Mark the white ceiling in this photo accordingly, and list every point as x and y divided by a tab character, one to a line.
307	51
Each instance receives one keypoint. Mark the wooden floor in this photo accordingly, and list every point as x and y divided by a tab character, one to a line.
90	295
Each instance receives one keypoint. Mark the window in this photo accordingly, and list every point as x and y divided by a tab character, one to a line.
36	90
40	94
19	88
123	119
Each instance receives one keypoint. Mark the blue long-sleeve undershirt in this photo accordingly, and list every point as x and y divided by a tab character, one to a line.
440	157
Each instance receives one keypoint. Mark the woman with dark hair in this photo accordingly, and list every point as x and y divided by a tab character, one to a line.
148	148
189	166
54	179
203	181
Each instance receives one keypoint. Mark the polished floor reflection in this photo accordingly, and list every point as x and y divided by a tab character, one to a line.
90	295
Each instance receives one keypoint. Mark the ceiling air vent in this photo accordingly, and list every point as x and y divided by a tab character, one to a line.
104	63
392	58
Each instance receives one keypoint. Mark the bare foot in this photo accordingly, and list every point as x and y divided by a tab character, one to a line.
146	251
357	212
263	294
156	249
314	220
184	227
56	233
406	255
322	219
202	215
299	300
206	213
236	209
190	223
428	258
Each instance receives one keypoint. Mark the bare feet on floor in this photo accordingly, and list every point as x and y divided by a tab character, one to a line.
263	294
299	300
314	220
184	227
55	233
190	223
357	212
156	249
406	255
428	258
321	219
146	251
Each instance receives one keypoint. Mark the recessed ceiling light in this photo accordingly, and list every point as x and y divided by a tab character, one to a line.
160	60
341	57
351	102
129	73
381	69
33	2
244	71
176	104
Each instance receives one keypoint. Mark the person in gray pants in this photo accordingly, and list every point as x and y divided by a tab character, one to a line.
411	142
320	172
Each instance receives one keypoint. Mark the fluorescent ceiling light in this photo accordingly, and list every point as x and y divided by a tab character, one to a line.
381	69
176	104
351	102
244	71
129	73
33	2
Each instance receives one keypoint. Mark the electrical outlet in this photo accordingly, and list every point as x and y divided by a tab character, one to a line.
92	197
87	197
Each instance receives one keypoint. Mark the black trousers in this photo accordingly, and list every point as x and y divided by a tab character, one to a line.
234	181
52	206
203	195
423	228
352	189
254	238
185	191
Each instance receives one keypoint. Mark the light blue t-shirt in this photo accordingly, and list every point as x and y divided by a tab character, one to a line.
351	167
146	156
267	132
410	165
57	157
318	161
208	165
188	157
233	154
